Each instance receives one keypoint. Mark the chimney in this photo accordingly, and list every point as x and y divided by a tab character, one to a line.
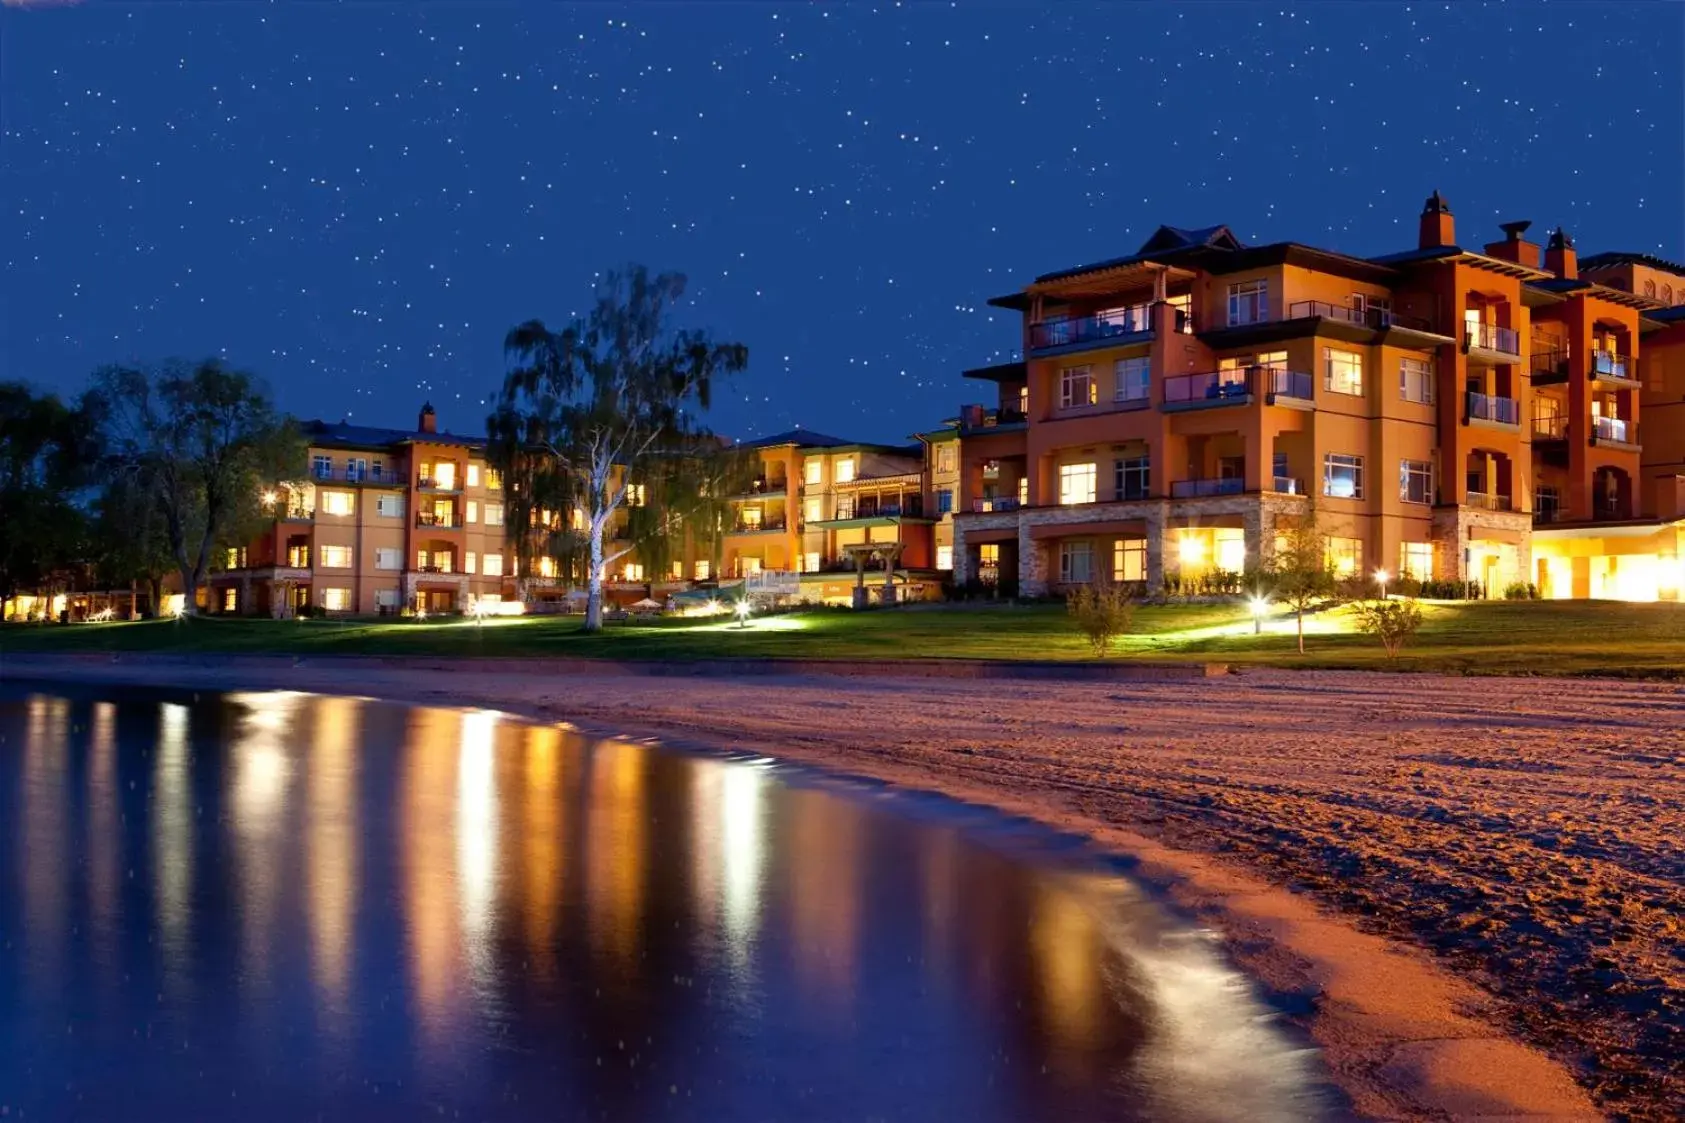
429	423
1437	227
1560	257
1514	247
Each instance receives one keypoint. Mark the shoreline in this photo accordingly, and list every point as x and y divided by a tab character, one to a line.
1400	1034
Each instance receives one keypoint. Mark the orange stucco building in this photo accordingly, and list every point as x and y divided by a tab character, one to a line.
1436	405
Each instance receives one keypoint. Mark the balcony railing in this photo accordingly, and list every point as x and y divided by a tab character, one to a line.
1486	501
1491	337
351	473
1550	427
298	558
439	567
776	485
1547	364
976	417
1487	407
1288	485
998	503
1199	489
879	510
1137	319
1613	366
444	522
1614	429
744	526
1377	318
1217	386
298	512
435	483
1291	384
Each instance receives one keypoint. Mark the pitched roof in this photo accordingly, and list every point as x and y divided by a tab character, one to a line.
369	436
1618	257
1166	241
801	438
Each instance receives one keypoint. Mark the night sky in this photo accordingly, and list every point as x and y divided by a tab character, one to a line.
358	200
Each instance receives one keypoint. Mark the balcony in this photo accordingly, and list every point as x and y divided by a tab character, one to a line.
1491	410
913	508
353	474
1202	489
747	526
1614	431
437	483
1486	501
437	521
436	567
1000	503
1547	365
1608	366
1236	388
1380	319
298	512
974	418
1501	343
768	485
1287	485
1550	427
1113	325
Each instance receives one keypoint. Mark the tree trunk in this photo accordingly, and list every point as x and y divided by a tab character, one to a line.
594	580
189	591
155	589
1301	615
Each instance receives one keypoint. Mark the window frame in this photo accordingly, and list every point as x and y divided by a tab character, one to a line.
1123	468
1069	379
1070	472
1068	553
1425	375
1328	378
1125	550
1123	369
1420	470
1256	293
1345	461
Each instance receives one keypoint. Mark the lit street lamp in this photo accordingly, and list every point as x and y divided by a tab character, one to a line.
1259	606
1381	577
743	609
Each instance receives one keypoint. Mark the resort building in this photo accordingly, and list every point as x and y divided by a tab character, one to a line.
1429	408
386	520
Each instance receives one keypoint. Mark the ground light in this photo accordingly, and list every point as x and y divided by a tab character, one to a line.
1260	605
1381	578
743	609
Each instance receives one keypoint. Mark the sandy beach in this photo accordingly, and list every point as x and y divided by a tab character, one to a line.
1469	892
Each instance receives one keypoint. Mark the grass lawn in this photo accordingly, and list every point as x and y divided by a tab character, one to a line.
1555	637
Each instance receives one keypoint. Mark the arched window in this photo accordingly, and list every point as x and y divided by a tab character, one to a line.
1650	289
1667	294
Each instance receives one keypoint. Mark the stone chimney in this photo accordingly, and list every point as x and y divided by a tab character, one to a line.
1560	257
429	423
1514	247
1437	227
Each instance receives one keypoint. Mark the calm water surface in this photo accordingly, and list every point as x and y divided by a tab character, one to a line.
285	907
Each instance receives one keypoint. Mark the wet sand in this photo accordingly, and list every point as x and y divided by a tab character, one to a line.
1468	892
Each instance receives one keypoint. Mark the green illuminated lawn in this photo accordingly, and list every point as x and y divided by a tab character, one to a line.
1575	638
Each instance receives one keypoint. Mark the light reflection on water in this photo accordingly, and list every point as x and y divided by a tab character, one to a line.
273	906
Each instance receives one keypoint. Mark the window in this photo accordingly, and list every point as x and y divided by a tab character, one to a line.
298	557
1133	477
494	514
810	563
321	467
1076	387
635	495
334	557
749	518
1342	476
813	471
1249	302
469	561
1415	380
236	558
494	480
334	502
988	563
1343	371
947	457
492	565
377	470
813	510
1076	562
701	570
389	506
1415	481
1077	483
473	511
473	475
1416	561
444	475
231	599
748	567
845	470
336	600
386	557
634	571
945	501
944	557
1133	376
386	598
1547	503
1345	556
1129	559
357	468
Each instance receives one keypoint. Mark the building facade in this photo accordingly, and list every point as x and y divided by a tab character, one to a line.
1428	408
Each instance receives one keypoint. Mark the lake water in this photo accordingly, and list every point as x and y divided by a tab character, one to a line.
287	907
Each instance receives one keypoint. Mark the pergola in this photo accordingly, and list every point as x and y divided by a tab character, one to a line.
862	554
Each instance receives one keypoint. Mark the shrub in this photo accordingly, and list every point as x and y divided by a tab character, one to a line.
1392	622
1521	590
1101	611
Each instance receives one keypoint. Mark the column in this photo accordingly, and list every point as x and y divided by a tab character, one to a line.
1155	547
1032	563
962	559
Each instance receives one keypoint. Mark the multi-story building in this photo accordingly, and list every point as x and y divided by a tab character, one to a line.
1176	404
386	520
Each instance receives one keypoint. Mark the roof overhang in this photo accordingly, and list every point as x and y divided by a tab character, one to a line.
1638	529
1000	372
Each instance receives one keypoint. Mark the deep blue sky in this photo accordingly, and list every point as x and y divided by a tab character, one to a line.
358	200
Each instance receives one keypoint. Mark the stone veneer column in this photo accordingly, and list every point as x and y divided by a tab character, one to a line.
1032	563
1156	519
962	563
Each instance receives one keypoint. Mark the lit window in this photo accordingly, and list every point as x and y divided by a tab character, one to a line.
334	557
1415	481
1343	371
1415	380
845	470
750	518
810	562
944	557
334	502
1345	556
336	600
1133	376
946	457
1023	491
1416	561
1076	562
473	475
386	557
389	506
635	495
1249	302
492	565
494	480
547	566
814	470
813	510
988	563
473	514
634	571
1342	476
1077	483
748	567
469	561
701	570
1076	387
231	600
678	569
1129	559
494	514
236	557
444	475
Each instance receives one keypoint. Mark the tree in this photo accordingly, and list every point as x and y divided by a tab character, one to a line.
197	443
1102	611
127	540
1393	622
1299	572
48	452
601	417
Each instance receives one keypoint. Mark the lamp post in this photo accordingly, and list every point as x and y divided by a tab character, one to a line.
742	610
1381	578
1259	605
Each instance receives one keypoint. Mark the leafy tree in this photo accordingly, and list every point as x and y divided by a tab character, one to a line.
197	443
1299	572
601	418
48	452
1101	611
1393	622
128	543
